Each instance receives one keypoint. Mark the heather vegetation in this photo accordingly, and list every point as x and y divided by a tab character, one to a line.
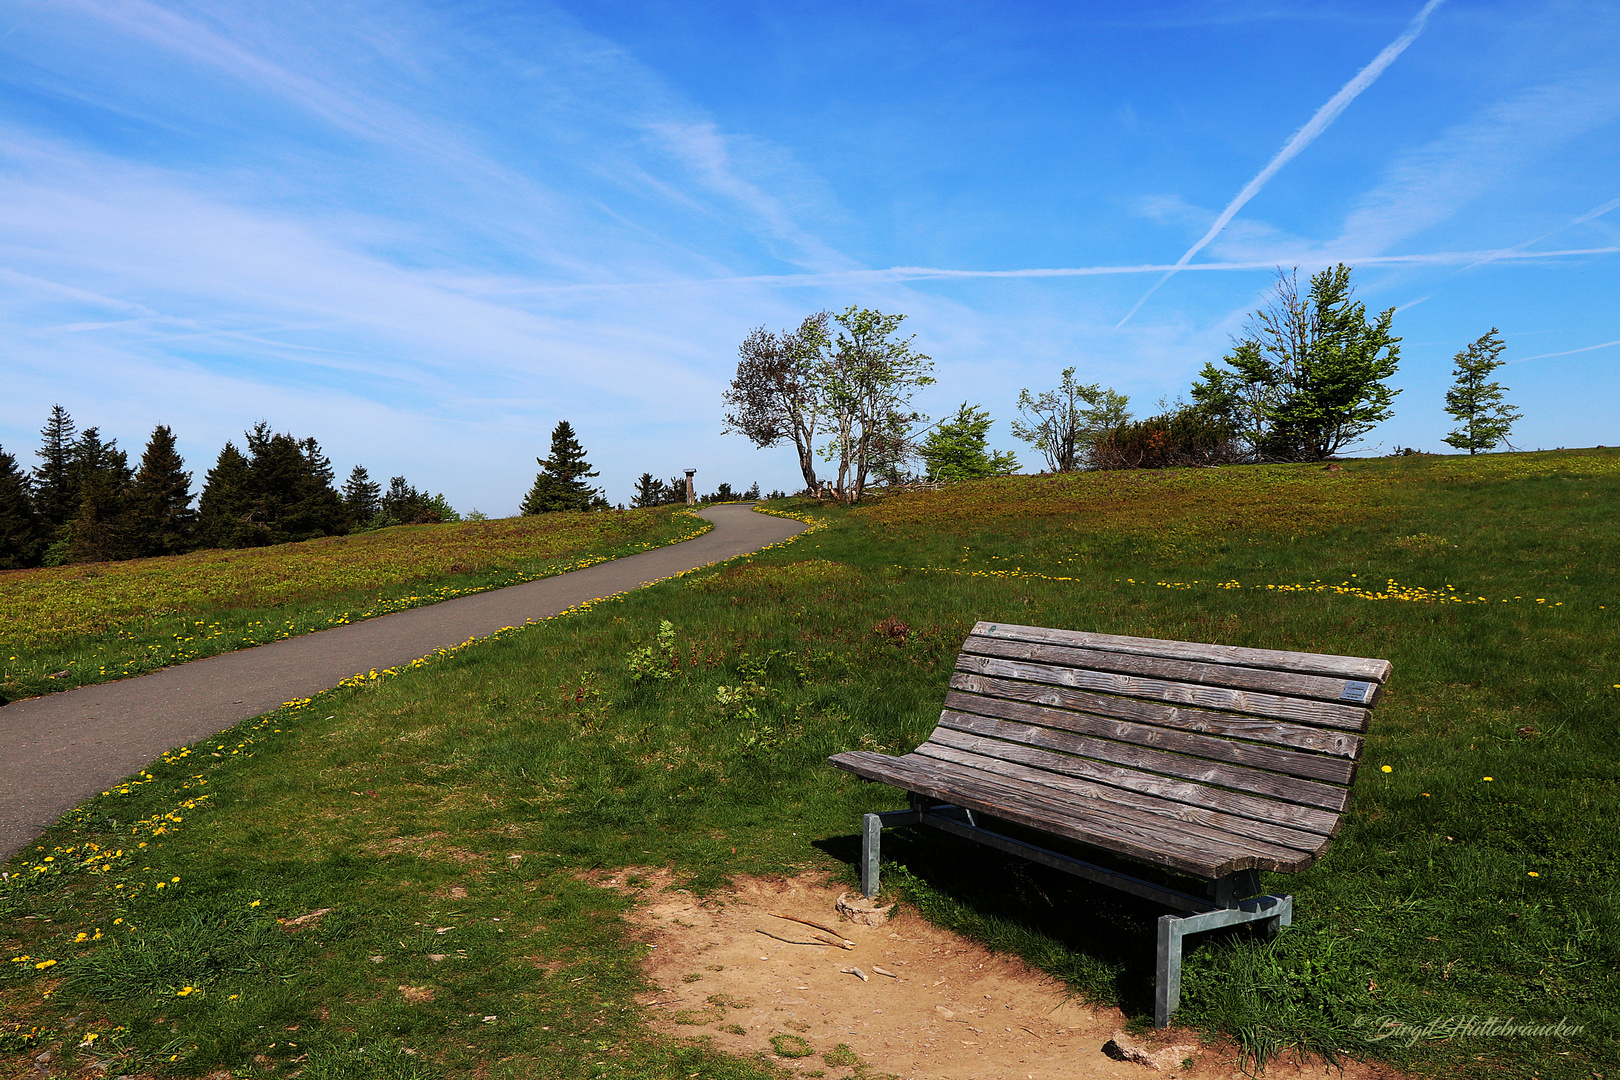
446	819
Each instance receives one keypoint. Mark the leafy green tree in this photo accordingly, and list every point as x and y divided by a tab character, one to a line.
866	386
20	540
101	475
956	449
56	500
1310	375
362	497
1065	424
560	484
1484	418
162	518
225	510
650	491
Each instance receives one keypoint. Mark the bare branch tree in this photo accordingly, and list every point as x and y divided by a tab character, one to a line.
775	394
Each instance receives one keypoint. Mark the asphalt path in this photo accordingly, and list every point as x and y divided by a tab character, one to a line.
58	750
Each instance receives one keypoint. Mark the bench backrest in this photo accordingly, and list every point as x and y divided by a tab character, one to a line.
1266	736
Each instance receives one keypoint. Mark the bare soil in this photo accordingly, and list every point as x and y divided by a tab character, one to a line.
952	1010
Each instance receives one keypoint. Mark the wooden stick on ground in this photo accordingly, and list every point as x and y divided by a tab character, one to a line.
807	922
787	941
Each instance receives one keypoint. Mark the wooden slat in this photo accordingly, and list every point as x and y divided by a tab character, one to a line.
1186	789
1332	770
1145	760
1056	814
1342	667
1046	769
1319	713
1286	683
1338	744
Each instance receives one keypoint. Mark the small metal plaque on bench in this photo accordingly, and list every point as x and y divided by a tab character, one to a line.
1358	692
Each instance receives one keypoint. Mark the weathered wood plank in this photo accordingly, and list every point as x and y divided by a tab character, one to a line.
1301	710
985	793
1332	770
1043	768
1079	760
1009	720
1343	667
1203	673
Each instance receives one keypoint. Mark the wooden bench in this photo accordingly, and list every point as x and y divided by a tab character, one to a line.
1208	761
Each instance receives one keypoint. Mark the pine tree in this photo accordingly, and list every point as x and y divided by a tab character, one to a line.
649	492
404	505
1483	416
161	514
55	499
362	497
291	485
100	472
560	484
19	527
225	509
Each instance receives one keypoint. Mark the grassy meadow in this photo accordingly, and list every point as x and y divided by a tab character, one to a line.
446	819
68	626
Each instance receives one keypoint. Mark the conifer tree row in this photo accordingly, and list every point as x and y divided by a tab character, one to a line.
84	503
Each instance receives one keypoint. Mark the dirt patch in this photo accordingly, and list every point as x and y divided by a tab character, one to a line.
949	1010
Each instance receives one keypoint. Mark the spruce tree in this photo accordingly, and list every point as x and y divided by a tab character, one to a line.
19	527
161	516
1484	418
225	509
560	484
649	492
55	499
291	487
100	473
361	497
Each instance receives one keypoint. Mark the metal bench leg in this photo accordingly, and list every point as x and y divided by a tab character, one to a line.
1273	911
871	853
1167	972
872	826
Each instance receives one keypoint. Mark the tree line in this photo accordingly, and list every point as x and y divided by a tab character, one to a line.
1308	377
84	502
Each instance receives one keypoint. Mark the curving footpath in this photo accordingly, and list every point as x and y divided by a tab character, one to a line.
61	749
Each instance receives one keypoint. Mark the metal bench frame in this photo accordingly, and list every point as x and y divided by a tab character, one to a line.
1232	900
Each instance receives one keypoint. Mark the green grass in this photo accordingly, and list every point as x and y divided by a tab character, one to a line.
62	627
512	768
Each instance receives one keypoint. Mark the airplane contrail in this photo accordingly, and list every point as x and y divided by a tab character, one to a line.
1595	212
1302	138
1566	352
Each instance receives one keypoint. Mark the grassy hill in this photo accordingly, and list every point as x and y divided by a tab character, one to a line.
68	626
1475	878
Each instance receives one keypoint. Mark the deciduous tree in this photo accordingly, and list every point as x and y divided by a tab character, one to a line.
1310	374
776	393
866	388
1484	417
1065	424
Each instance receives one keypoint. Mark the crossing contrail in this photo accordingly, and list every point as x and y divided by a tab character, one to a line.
1302	138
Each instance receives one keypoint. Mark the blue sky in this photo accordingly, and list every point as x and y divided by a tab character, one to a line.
424	232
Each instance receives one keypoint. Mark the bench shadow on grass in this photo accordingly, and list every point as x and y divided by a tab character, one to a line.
1101	943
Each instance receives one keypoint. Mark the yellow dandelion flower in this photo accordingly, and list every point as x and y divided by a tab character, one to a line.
1534	874
1488	779
1389	768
